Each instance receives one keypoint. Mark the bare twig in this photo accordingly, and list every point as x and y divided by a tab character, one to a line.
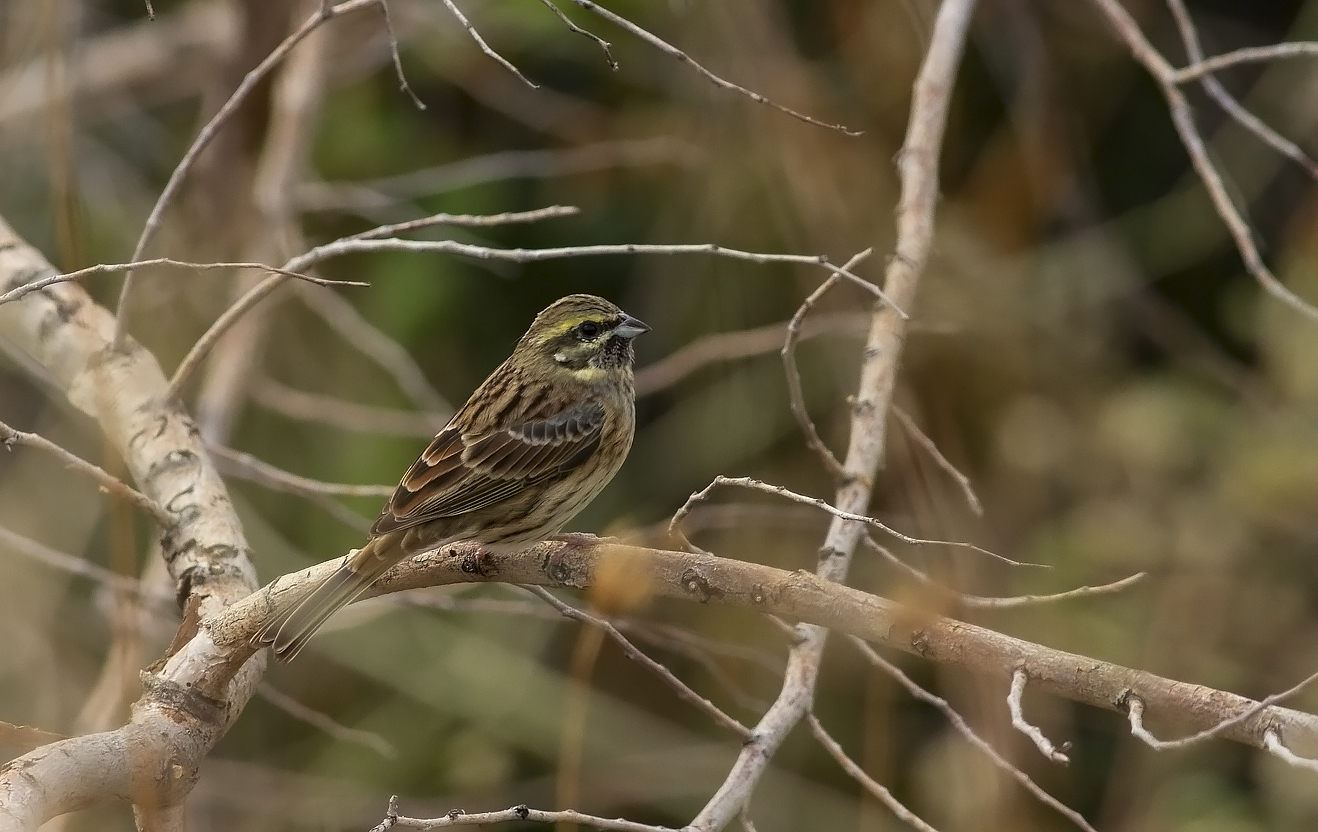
1272	741
963	728
297	96
536	255
398	61
879	363
673	51
340	413
1135	712
875	788
325	723
111	484
795	395
468	221
567	21
113	268
1008	602
632	652
373	194
1183	119
1247	55
64	562
918	436
207	133
387	353
457	817
192	362
25	738
263	289
275	477
1194	51
246	467
674	526
1018	721
485	47
731	346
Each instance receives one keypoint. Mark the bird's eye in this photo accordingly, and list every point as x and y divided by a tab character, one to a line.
589	330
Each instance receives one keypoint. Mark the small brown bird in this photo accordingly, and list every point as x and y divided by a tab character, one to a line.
532	446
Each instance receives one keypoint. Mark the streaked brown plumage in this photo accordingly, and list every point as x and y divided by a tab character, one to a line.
532	446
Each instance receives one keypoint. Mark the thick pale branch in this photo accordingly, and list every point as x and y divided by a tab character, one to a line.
172	726
800	596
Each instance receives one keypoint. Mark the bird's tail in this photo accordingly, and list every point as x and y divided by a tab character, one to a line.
290	628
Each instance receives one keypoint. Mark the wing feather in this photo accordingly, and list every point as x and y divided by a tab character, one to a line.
462	473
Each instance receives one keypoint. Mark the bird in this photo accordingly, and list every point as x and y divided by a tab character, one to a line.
531	447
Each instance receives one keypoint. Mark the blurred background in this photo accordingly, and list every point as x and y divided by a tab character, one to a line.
1087	348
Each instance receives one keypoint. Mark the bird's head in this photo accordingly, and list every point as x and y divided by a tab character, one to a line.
584	335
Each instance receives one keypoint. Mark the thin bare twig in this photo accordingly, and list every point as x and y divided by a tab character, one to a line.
987	602
674	526
41	553
485	47
325	723
1183	120
468	221
457	817
10	437
731	346
1272	742
207	133
243	466
113	268
535	255
24	738
1194	51
964	729
1018	721
1246	55
398	61
918	436
795	395
673	51
1135	712
340	413
368	339
567	21
374	194
275	477
634	653
874	787
259	292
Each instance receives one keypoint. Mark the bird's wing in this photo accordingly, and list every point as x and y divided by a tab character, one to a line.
461	473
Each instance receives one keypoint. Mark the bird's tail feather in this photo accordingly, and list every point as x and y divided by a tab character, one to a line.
289	629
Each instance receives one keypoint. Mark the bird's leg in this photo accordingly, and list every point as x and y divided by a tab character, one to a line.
477	561
577	540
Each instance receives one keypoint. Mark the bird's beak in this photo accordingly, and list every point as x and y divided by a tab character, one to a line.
630	328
